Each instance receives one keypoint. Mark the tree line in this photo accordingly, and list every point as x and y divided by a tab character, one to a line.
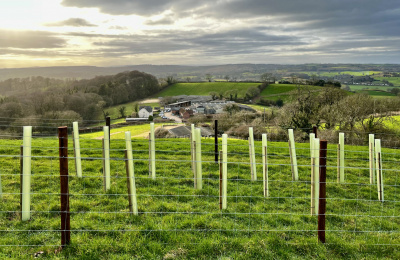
37	99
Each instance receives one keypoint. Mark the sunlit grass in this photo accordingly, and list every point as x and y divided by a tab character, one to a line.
177	221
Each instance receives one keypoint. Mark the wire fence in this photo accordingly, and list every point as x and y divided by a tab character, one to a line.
173	211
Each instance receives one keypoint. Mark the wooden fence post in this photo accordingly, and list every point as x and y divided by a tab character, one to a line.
153	151
316	174
379	177
26	175
193	150
322	189
293	161
77	149
224	171
251	160
65	214
216	140
106	159
265	165
371	159
199	184
341	158
312	156
252	155
194	165
130	174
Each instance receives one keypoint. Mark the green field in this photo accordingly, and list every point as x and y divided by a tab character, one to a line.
204	88
281	91
362	87
176	221
137	131
394	80
377	93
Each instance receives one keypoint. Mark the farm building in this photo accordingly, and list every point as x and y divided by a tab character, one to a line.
145	111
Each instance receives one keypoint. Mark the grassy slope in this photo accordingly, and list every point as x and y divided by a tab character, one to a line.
273	91
177	221
204	88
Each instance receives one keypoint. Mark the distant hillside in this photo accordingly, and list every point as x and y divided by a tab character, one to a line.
203	89
237	71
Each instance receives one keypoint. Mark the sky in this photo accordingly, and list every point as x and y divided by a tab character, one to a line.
197	32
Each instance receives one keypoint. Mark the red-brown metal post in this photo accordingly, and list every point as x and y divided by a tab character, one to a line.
322	190
65	214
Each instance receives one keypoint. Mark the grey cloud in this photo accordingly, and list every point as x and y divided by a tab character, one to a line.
225	43
126	7
369	17
163	21
75	22
30	39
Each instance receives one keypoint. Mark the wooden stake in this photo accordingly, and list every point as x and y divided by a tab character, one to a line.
371	159
77	150
312	157
224	171
295	174
251	161
341	143
265	165
291	160
193	151
26	175
153	151
106	160
380	190
216	140
127	181
65	214
316	174
195	166
199	183
130	174
149	154
253	155
379	177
